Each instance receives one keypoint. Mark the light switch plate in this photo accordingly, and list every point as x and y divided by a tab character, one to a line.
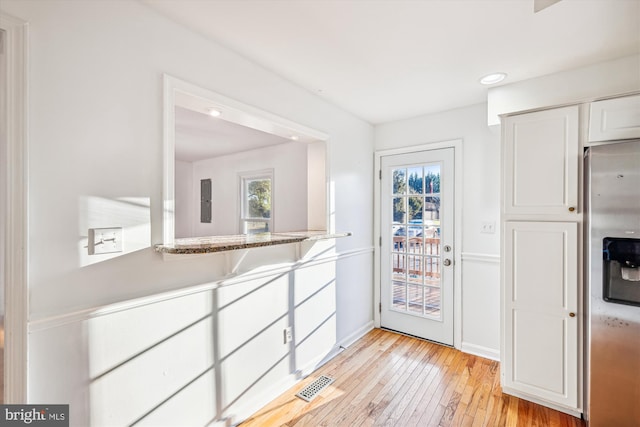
488	227
105	240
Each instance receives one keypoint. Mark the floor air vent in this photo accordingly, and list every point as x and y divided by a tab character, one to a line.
312	390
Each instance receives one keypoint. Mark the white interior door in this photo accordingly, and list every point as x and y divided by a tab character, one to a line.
417	247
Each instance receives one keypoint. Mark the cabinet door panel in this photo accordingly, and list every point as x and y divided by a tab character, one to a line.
538	353
541	292
541	156
613	119
540	273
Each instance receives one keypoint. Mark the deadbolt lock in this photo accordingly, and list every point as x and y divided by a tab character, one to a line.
447	248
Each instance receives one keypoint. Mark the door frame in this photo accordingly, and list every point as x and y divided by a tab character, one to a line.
16	211
456	144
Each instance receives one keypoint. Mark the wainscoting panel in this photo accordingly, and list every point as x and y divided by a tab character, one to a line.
481	305
207	355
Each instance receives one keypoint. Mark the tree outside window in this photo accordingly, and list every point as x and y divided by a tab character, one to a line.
257	199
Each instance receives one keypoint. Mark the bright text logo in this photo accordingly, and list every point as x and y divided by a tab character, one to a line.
34	415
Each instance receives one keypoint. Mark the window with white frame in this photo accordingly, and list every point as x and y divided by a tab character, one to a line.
256	196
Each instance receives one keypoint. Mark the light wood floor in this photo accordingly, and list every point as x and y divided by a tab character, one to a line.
393	380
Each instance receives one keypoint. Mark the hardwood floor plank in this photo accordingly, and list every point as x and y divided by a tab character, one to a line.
368	360
479	392
541	415
512	413
383	370
451	417
525	413
405	401
459	374
493	404
416	404
398	399
433	417
432	413
404	366
478	418
396	393
467	421
387	379
431	398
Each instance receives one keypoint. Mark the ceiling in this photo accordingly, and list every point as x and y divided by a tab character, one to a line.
199	136
385	60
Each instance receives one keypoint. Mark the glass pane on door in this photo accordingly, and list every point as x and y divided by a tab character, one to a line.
416	247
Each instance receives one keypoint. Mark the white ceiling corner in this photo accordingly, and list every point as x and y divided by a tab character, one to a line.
385	60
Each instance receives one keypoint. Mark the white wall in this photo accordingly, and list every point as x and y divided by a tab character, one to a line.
481	175
289	199
95	133
481	203
185	210
317	186
583	84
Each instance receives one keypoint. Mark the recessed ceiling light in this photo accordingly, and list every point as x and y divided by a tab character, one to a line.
493	78
213	112
294	137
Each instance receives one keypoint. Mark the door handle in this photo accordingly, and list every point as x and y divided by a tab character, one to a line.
447	262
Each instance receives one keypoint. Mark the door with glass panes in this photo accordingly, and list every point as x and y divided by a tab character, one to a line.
417	250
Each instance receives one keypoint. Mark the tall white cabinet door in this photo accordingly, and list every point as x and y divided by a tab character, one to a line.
541	302
541	157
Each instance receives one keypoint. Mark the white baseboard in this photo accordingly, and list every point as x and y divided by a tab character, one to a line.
478	350
289	381
570	411
247	409
355	336
337	349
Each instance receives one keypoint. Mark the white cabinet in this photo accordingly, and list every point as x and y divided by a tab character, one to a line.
612	119
541	221
540	306
541	157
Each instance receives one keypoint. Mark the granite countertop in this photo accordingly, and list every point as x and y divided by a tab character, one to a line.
211	244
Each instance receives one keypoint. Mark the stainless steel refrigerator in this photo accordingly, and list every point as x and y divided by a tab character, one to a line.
612	297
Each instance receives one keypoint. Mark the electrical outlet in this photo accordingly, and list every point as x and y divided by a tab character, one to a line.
288	335
488	227
105	240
